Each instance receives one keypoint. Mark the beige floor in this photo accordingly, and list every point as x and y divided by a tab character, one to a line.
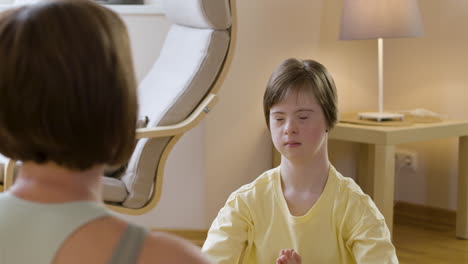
416	242
425	244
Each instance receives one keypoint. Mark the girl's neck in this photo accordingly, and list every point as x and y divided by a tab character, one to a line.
305	176
51	183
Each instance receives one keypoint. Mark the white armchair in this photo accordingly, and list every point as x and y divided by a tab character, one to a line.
176	94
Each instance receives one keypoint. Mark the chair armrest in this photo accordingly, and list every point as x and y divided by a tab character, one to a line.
8	174
191	121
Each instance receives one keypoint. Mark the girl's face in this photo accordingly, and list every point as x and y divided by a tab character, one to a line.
298	127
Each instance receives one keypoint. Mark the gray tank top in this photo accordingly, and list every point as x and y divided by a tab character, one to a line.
33	232
130	244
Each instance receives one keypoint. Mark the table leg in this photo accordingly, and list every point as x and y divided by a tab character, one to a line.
384	181
462	201
366	168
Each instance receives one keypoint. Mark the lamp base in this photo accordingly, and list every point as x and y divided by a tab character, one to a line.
380	116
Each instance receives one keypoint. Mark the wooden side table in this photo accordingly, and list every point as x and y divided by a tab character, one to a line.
376	169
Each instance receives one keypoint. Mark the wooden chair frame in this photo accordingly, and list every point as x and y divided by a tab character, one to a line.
175	131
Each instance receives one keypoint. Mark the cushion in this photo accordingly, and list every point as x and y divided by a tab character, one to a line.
113	190
186	69
212	14
189	63
114	171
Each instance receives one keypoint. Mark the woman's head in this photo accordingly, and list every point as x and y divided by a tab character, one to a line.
67	85
294	76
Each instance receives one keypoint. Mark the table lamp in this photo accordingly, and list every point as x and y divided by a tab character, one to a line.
379	19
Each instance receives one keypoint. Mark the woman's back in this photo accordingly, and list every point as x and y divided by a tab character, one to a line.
45	223
33	232
96	243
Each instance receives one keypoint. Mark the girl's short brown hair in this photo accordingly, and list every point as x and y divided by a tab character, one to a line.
67	85
293	75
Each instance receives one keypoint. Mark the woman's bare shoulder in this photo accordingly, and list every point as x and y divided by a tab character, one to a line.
107	231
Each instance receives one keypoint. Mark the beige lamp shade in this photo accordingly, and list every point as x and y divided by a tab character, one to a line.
372	19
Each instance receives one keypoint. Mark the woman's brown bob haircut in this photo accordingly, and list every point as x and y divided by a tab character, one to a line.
294	75
67	85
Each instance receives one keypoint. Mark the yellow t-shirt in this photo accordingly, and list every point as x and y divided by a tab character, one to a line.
344	226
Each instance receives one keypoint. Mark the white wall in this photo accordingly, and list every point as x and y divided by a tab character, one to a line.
431	72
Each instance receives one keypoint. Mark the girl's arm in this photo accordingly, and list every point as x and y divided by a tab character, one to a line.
231	233
369	237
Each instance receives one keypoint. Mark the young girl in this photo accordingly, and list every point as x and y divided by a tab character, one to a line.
304	210
69	107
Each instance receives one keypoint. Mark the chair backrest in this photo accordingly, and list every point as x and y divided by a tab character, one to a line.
190	61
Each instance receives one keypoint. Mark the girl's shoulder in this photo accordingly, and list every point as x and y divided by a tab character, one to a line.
352	201
262	185
265	180
346	185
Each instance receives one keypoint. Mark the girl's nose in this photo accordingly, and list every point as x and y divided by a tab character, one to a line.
291	127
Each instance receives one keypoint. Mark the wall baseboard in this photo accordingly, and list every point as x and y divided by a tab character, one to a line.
425	216
196	236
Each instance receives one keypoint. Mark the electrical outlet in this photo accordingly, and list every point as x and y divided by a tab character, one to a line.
406	158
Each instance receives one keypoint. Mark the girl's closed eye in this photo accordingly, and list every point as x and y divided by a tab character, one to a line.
304	115
277	117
